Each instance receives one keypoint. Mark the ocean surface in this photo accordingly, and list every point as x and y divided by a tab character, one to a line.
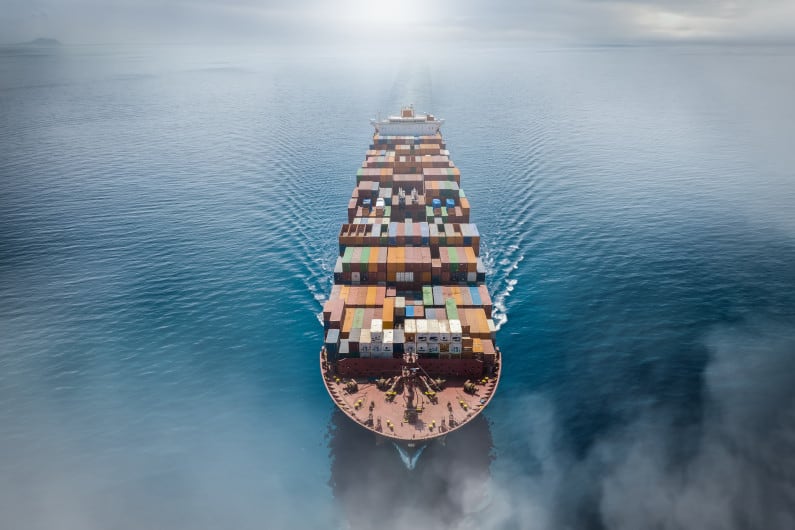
168	223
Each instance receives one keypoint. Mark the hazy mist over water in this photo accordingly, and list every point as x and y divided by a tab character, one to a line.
168	223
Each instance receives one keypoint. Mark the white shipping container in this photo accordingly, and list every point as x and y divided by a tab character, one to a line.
472	276
387	349
364	342
433	330
410	347
377	330
355	277
410	329
422	330
455	331
433	347
389	336
422	347
455	347
444	331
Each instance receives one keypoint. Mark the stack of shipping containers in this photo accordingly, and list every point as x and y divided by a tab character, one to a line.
409	278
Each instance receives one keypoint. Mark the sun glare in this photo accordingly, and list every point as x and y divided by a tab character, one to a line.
674	24
387	15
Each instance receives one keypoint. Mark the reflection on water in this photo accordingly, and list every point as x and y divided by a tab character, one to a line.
373	486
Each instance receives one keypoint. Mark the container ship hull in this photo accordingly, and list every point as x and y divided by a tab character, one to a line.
409	350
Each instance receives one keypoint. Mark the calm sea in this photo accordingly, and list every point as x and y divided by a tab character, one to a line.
168	219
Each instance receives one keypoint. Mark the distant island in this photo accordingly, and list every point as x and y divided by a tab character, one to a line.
42	42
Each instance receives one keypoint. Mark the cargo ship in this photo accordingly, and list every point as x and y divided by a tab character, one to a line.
409	350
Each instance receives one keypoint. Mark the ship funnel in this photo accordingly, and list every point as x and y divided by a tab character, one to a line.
409	456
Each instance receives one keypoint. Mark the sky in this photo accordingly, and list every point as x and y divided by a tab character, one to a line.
420	21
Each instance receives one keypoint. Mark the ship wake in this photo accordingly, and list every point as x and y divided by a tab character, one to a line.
409	457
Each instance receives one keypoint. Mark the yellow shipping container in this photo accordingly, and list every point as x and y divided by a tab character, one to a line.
370	302
471	258
483	324
396	257
457	296
344	290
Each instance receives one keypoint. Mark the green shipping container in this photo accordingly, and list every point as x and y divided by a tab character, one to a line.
451	309
453	259
427	296
358	317
346	259
365	261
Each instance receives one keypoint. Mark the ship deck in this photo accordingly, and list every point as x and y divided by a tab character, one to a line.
370	407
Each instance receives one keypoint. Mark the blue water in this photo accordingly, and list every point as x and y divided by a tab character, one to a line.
167	231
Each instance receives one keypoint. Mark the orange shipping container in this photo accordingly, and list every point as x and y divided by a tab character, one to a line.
372	265
347	323
389	313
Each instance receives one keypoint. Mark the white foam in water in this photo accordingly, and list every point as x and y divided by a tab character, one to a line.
500	312
409	460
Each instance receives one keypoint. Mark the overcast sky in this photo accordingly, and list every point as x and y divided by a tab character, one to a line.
353	21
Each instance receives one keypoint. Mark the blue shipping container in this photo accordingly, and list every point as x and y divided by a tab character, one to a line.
473	291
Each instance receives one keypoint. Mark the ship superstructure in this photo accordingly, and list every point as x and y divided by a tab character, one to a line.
408	123
409	348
